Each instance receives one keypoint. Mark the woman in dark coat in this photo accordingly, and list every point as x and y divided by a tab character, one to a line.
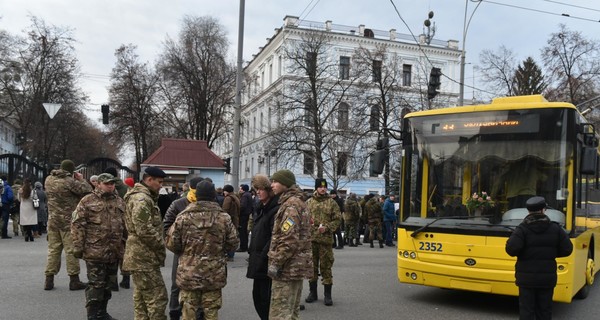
260	241
42	211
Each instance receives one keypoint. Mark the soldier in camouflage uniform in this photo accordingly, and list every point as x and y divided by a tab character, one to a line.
64	189
351	216
375	218
202	235
326	218
145	247
98	233
290	254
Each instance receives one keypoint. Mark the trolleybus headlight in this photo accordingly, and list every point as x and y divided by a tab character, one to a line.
405	254
413	255
413	276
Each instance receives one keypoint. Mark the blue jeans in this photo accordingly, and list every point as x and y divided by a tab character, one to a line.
389	232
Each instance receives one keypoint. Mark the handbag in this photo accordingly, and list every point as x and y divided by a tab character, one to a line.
35	199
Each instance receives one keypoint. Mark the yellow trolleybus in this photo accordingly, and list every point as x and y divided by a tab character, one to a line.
511	149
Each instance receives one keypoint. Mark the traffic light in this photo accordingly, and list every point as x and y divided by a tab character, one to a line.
227	163
434	83
104	110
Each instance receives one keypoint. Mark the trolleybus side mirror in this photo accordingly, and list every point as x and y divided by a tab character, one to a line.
589	158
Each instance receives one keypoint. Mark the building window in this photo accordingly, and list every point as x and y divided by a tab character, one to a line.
343	114
342	164
262	80
406	75
376	70
344	68
280	67
309	163
311	64
270	73
374	119
253	127
371	162
262	123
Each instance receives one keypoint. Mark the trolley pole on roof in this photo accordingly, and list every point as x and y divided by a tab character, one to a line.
235	161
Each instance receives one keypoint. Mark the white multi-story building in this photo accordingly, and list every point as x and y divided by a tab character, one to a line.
8	138
271	72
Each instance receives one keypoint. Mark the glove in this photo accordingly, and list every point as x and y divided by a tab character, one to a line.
273	272
78	254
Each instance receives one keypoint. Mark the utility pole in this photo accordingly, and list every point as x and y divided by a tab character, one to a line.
466	24
235	166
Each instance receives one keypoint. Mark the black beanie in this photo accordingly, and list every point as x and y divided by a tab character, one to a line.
205	190
320	182
111	170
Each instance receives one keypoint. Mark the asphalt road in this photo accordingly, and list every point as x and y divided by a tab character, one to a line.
365	287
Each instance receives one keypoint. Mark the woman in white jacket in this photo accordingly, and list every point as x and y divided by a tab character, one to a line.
27	211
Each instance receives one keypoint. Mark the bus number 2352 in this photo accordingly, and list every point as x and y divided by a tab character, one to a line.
430	246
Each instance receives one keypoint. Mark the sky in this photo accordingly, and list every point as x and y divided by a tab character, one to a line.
101	26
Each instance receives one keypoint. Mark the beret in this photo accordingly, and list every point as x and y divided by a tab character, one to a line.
155	172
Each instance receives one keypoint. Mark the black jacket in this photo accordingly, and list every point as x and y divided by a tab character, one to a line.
174	209
260	241
536	243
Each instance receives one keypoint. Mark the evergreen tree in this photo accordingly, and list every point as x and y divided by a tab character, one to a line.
528	79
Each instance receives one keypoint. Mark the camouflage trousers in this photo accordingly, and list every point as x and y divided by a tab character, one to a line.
375	229
100	276
57	241
322	262
149	295
193	301
350	232
285	300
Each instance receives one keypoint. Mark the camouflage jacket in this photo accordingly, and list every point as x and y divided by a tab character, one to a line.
98	227
63	194
202	235
323	210
352	213
291	249
145	246
374	211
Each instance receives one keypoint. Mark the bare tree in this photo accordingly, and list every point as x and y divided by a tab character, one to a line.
132	95
498	70
573	63
316	104
40	68
387	89
198	84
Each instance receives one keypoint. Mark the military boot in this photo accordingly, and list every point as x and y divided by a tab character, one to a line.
327	300
103	314
49	283
114	285
380	243
75	283
352	244
93	310
372	244
358	243
312	294
125	282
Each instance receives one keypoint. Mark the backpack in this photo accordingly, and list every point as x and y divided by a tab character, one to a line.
35	199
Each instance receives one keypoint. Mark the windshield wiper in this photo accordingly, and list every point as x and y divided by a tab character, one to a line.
421	229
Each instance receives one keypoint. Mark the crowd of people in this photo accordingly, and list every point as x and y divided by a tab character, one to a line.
111	224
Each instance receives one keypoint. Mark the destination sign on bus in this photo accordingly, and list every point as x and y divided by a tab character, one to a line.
481	125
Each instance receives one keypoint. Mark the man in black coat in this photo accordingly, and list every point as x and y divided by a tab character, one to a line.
260	242
536	243
246	209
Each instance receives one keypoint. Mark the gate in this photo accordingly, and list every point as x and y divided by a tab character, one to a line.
98	165
18	167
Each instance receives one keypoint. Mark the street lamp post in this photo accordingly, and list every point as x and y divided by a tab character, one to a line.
466	24
235	161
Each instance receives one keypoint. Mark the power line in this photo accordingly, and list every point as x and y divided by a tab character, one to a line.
425	54
566	15
311	9
572	5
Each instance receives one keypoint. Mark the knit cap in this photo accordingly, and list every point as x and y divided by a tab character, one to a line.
205	190
285	177
67	165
